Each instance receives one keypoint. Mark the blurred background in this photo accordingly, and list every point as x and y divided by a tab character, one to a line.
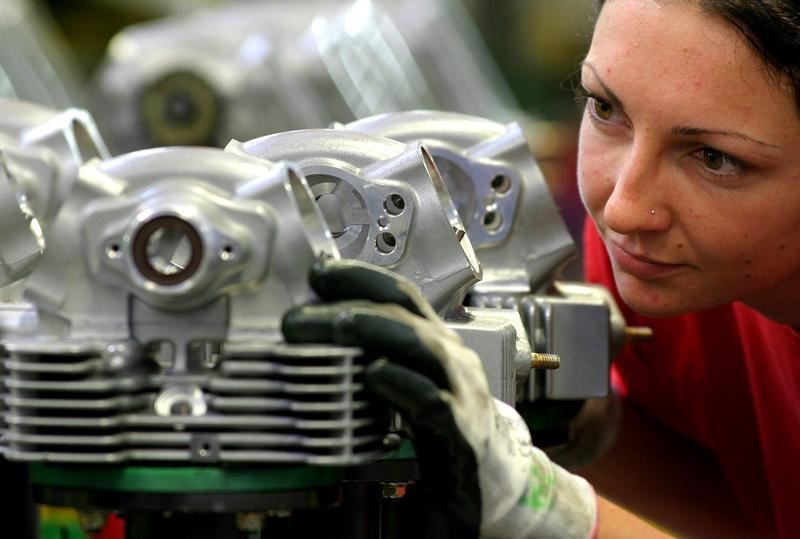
163	72
535	43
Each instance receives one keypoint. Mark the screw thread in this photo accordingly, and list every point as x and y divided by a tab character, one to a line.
545	361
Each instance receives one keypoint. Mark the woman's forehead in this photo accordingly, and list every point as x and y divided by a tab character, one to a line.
671	28
674	55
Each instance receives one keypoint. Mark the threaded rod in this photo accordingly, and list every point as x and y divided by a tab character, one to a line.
545	361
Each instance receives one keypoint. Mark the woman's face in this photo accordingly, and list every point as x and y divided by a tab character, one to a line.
689	163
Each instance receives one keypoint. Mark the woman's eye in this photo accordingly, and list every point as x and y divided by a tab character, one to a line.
719	163
603	112
713	159
601	109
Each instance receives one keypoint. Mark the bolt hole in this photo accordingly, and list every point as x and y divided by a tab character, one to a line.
492	221
394	204
167	250
386	243
113	251
226	253
501	183
181	408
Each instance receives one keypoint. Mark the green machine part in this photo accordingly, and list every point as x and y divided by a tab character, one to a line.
182	479
64	523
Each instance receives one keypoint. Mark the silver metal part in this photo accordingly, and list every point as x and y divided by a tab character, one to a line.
22	240
499	338
43	149
578	332
499	191
265	403
159	301
575	324
621	333
385	203
181	80
17	317
179	229
40	149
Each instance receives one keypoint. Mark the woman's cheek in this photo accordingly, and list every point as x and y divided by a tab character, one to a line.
594	182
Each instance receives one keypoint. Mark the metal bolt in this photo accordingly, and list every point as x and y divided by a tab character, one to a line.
250	522
391	440
227	253
122	355
393	490
545	361
279	513
113	251
210	354
204	447
638	333
180	408
116	363
163	353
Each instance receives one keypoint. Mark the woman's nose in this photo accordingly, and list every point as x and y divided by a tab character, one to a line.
637	202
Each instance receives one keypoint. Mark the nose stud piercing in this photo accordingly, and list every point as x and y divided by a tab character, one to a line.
652	211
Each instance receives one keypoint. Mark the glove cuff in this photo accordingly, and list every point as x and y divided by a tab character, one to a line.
556	505
525	494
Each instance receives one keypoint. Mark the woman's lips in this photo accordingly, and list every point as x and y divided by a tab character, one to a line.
640	266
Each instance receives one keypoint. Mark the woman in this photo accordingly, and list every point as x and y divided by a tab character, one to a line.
690	170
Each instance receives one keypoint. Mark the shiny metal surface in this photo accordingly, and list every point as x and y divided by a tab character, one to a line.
500	193
385	203
21	240
159	299
578	331
500	339
43	148
266	403
250	219
153	332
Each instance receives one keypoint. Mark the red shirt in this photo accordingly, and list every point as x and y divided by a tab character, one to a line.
728	378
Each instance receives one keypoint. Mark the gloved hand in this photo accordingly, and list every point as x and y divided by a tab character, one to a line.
474	452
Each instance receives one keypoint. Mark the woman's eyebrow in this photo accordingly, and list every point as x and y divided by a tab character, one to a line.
612	97
696	131
677	130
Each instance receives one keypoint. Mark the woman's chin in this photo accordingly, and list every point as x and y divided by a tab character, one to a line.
655	303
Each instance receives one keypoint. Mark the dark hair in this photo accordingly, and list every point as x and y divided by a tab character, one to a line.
771	27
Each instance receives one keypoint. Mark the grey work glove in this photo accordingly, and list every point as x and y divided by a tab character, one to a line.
474	452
